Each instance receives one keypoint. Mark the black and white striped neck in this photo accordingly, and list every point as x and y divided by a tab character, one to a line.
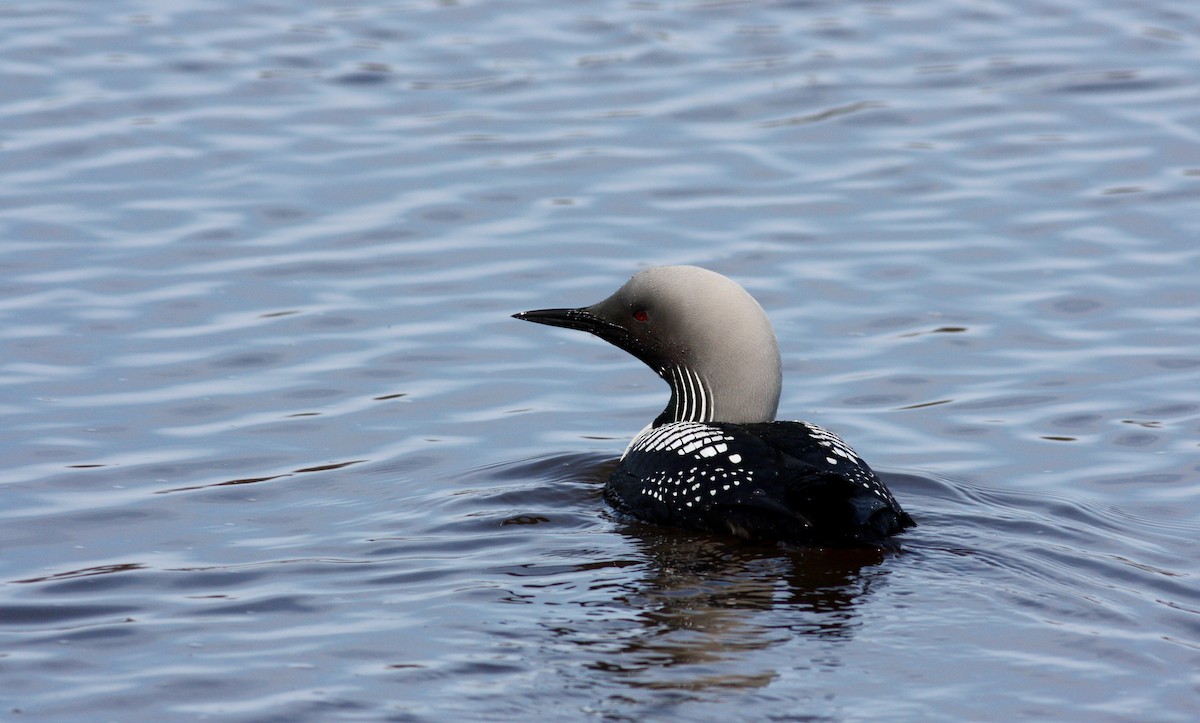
691	398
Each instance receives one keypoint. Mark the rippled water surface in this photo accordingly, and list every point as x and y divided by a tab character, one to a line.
275	449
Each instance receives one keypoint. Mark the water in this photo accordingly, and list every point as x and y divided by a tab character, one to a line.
276	451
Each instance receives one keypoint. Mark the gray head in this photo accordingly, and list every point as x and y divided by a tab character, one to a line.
701	332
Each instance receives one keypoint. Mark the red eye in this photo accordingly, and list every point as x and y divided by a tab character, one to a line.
641	315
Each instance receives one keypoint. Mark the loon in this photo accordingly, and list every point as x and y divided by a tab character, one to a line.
715	459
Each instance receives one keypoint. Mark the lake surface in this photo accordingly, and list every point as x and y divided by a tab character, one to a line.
275	449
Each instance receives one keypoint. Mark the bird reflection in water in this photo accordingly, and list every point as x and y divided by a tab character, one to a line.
705	601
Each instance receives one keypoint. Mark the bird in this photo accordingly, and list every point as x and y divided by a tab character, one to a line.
716	460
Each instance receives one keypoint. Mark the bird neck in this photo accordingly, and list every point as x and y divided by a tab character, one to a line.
691	397
742	398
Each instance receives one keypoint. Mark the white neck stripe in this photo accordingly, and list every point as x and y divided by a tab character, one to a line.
690	398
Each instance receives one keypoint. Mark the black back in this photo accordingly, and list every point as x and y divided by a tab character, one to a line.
785	481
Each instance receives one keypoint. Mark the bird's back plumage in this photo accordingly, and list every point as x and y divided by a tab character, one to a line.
786	481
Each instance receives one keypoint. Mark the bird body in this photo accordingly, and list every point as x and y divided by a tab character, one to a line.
715	459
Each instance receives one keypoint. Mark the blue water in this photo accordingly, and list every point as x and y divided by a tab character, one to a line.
275	449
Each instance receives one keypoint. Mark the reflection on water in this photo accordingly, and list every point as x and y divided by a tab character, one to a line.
699	601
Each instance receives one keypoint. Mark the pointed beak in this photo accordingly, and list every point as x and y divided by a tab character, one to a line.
598	321
582	319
